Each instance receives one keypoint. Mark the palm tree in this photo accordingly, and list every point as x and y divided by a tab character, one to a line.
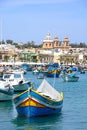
6	58
15	55
67	60
71	60
0	55
61	59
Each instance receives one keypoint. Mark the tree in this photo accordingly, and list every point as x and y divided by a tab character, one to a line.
15	55
82	45
61	59
71	60
6	58
2	42
0	55
9	41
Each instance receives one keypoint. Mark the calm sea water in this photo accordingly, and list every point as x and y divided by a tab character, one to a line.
72	117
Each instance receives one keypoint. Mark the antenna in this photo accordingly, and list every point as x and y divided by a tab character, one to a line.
1	29
54	78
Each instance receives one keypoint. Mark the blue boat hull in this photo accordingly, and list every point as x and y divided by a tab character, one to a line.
30	111
52	75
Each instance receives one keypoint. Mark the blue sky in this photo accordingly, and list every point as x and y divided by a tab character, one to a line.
27	20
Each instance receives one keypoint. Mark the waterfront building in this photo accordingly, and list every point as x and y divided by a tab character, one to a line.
7	50
29	56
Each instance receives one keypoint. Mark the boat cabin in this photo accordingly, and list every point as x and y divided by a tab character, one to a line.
13	76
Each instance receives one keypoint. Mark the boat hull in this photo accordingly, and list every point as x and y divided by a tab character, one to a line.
21	87
36	105
5	97
31	111
52	75
6	94
70	79
53	72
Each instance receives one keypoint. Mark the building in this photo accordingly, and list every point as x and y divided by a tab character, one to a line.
29	56
48	43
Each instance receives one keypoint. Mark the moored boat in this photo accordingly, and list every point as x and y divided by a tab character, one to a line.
16	79
70	76
36	72
6	91
43	101
53	72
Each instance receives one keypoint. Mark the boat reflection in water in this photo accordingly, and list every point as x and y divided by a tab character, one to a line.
44	122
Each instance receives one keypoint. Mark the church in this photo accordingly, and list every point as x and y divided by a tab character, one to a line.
48	43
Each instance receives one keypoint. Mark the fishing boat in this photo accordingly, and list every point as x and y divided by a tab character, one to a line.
35	72
44	101
53	72
70	76
16	79
6	91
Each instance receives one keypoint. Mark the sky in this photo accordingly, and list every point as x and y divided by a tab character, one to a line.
31	20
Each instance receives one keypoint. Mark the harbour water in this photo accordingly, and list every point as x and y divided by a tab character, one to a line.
73	115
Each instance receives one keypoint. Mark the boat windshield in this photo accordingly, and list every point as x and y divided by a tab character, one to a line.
17	76
7	76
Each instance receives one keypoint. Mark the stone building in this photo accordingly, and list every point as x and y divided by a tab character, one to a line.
48	43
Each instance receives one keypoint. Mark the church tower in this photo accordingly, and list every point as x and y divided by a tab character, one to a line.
56	42
66	41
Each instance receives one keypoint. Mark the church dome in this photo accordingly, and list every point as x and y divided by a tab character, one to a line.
48	38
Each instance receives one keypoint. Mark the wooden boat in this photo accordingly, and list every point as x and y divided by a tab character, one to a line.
6	91
43	101
53	72
16	79
70	76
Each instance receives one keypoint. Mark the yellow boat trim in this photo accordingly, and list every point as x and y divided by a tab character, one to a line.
21	94
30	102
61	96
60	99
53	71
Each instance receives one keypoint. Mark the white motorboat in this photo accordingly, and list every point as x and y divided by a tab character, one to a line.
16	79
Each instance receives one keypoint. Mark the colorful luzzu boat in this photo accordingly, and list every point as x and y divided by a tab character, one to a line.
43	101
70	76
53	72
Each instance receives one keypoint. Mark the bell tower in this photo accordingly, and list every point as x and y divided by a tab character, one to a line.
56	42
66	41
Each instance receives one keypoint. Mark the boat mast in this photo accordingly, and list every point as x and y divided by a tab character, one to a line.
1	29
